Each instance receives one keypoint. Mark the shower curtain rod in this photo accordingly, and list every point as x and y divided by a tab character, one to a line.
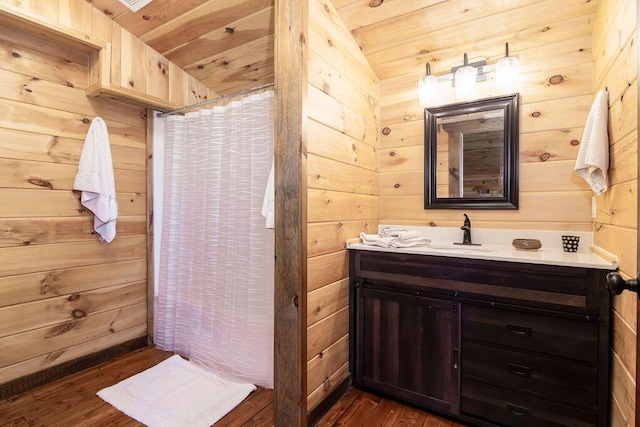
213	101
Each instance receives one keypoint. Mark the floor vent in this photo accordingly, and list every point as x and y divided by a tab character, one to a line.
135	5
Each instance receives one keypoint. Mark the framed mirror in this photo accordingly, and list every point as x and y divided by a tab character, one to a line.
471	154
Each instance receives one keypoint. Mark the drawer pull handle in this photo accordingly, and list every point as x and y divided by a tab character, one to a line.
519	330
523	371
517	410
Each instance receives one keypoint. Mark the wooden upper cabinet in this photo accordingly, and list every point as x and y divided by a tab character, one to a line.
133	63
157	74
121	66
128	69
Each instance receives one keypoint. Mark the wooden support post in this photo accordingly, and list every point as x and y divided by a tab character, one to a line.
290	213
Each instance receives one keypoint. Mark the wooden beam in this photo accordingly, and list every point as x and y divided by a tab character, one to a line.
291	213
150	241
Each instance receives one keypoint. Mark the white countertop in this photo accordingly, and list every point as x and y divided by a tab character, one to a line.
550	253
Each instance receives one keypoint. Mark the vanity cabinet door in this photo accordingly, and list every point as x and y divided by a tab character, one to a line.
407	347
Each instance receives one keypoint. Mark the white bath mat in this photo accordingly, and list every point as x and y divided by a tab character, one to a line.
176	393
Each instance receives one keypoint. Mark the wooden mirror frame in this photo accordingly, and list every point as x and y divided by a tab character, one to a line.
509	200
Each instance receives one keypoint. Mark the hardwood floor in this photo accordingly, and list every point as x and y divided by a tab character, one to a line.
72	401
359	408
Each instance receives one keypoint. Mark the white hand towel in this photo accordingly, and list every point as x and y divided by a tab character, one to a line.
377	240
400	233
268	203
592	162
95	180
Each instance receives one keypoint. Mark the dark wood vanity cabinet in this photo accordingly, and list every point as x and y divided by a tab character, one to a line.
410	342
487	342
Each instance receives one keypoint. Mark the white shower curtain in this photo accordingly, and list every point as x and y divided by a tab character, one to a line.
215	296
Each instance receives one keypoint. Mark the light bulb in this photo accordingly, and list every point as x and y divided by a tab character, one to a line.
465	79
427	90
507	71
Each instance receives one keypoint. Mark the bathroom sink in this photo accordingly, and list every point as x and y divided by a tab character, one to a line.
455	248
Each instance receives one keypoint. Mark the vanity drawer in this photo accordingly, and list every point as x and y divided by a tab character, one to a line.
554	379
508	408
557	336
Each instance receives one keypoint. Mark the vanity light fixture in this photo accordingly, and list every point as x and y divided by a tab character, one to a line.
464	78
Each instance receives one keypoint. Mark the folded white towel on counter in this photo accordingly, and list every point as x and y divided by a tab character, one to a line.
409	243
377	240
400	233
592	162
393	242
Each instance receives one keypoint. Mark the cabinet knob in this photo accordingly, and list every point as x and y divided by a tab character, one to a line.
616	284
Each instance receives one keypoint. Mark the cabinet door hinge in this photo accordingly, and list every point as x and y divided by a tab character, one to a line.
358	285
455	302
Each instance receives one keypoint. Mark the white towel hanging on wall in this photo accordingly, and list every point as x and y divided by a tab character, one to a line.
95	180
592	162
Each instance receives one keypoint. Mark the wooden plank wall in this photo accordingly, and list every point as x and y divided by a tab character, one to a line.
343	114
615	227
556	94
63	294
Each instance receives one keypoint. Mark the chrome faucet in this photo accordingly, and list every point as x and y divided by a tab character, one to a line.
466	227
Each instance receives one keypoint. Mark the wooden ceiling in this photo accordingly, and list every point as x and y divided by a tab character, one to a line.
399	37
228	44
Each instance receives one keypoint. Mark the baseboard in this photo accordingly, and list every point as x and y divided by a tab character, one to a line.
332	398
28	382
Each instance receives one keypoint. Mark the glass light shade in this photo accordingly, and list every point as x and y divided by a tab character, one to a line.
465	79
427	90
507	73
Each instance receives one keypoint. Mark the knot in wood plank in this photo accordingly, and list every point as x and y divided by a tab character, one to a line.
78	314
40	183
556	80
